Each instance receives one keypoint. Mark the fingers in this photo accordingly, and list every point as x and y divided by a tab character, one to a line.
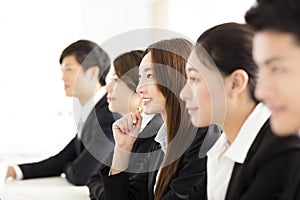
129	125
133	120
139	119
119	125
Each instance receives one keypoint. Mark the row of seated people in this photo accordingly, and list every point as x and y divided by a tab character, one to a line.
179	120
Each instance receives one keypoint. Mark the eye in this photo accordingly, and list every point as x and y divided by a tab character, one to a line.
149	76
192	79
277	69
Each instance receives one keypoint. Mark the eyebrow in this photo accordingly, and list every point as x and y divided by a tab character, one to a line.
192	69
269	61
66	65
148	69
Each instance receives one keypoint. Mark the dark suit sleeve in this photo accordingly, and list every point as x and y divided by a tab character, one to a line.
270	178
66	161
95	185
128	186
80	169
124	185
52	166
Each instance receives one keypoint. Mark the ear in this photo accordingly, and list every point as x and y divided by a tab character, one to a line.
93	72
237	82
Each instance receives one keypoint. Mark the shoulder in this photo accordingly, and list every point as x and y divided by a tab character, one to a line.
268	145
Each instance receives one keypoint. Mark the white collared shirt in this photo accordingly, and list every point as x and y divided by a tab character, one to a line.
222	156
146	120
84	113
86	109
81	113
161	137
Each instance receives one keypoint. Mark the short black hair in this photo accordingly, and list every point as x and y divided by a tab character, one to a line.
229	45
89	54
279	15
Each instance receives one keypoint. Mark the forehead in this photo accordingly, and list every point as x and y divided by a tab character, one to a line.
69	61
269	44
146	64
199	64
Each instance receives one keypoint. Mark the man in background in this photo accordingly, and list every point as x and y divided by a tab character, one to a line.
84	68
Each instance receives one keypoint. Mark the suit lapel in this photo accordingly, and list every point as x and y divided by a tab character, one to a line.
238	180
155	163
91	120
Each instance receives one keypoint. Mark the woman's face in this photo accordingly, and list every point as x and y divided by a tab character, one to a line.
118	94
152	98
203	94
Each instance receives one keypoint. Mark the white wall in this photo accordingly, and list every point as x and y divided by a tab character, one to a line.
192	17
35	115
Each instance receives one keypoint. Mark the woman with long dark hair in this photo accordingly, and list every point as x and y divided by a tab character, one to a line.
174	165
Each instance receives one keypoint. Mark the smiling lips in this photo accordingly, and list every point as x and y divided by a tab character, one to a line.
145	101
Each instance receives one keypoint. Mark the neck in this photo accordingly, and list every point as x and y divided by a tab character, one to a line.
164	117
235	119
83	99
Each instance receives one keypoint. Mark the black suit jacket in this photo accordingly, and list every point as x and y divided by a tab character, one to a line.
292	189
128	185
139	186
191	173
266	170
80	159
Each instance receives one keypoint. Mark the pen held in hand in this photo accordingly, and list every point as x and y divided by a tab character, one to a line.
140	110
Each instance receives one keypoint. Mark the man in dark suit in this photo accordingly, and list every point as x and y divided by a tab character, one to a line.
264	173
84	67
276	50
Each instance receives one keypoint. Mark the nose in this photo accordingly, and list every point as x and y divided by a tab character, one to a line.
263	88
140	89
185	93
109	87
63	76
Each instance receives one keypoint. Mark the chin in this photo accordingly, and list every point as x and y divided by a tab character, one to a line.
195	124
146	112
281	129
110	107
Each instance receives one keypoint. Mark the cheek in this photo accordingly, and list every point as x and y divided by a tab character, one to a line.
203	98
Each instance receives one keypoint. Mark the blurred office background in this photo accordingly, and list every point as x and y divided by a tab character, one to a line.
35	116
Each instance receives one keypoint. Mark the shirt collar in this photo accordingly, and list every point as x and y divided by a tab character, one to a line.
161	137
87	108
238	150
248	133
146	120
